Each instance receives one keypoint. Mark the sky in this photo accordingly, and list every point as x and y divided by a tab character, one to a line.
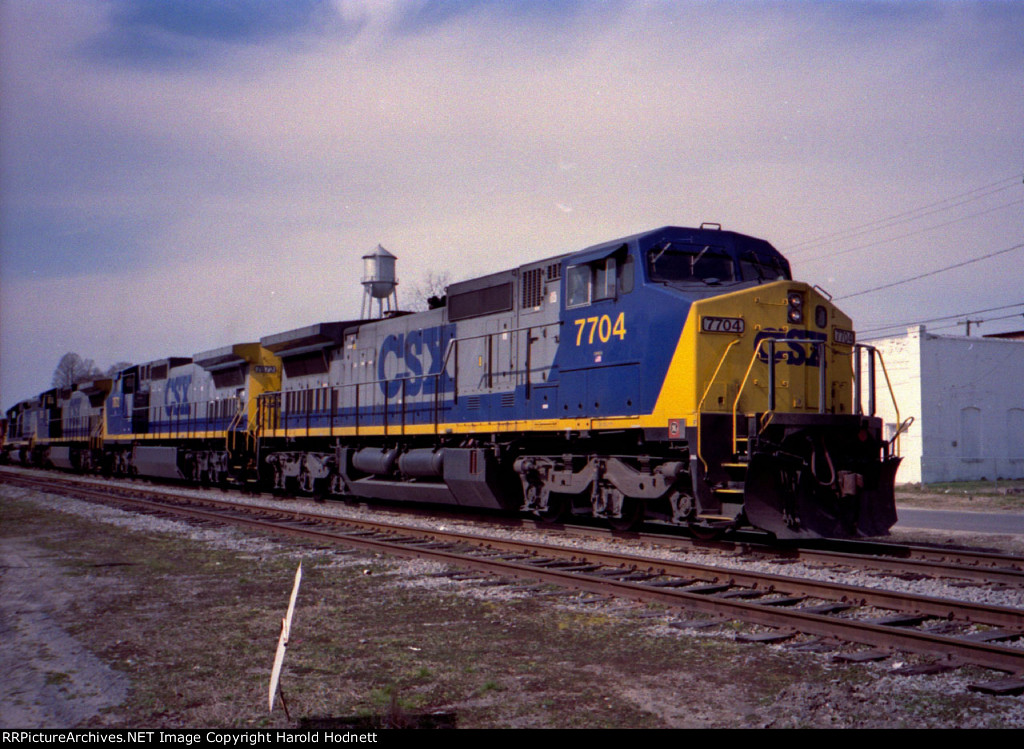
177	175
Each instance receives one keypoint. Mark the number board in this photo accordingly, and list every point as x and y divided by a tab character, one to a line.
722	324
844	337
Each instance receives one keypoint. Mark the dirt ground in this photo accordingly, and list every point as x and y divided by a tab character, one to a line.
107	620
978	496
44	665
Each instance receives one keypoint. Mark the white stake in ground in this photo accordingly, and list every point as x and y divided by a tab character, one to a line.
282	645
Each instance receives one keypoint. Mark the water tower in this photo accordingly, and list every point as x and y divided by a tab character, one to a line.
379	283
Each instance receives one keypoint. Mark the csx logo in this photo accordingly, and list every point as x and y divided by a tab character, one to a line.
176	395
416	358
793	353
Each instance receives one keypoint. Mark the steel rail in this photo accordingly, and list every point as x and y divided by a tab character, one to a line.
989	655
942	608
965	565
957	649
986	567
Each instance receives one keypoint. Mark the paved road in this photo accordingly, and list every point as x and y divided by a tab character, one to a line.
953	520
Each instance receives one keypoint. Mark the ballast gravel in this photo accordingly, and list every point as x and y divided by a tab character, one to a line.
885	684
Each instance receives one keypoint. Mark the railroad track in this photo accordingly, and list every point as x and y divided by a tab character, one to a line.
894	559
954	632
890	558
962	564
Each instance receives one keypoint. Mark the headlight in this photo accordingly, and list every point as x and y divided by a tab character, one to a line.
796	307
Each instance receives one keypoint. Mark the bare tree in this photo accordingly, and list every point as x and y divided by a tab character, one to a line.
89	371
68	369
113	369
429	291
72	369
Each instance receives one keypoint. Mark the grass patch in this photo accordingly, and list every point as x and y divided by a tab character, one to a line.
999	487
195	625
57	678
994	496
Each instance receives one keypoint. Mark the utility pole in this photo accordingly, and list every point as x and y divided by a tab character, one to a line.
968	323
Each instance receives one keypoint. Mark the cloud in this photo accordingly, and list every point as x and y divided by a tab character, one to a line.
216	153
169	34
421	16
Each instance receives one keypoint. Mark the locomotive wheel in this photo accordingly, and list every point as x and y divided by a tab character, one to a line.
706	532
712	531
306	483
557	510
632	516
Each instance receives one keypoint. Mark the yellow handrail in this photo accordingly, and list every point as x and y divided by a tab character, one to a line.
895	406
235	421
739	393
700	404
96	437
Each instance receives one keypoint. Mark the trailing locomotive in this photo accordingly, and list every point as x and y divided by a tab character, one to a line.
679	375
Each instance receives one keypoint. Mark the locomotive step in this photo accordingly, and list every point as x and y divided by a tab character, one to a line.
737	471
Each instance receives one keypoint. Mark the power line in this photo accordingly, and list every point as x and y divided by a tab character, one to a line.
977	322
932	273
947	317
886	222
881	223
895	331
918	231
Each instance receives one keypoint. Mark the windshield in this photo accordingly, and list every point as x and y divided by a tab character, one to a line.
675	262
754	268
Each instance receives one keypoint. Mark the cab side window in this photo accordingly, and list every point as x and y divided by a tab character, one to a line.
577	284
606	278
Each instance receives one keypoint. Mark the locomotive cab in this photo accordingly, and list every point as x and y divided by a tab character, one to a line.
765	391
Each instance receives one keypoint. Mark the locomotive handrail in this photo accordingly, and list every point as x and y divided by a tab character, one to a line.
769	413
436	405
822	383
700	403
453	346
436	377
97	433
821	347
895	405
858	405
822	378
197	419
277	410
743	384
233	425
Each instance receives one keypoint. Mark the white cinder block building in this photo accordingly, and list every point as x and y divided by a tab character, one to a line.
967	399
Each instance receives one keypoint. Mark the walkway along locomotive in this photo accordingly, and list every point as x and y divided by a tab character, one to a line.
679	374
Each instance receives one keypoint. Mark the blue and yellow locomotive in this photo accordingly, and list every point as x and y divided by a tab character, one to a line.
679	375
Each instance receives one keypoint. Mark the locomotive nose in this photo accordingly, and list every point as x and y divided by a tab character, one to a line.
778	438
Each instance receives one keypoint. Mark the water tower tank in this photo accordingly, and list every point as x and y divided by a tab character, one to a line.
379	282
379	273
